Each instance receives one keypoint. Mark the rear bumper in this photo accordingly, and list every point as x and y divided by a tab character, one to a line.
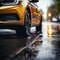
10	26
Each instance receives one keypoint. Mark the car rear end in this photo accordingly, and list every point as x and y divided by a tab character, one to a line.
11	17
11	13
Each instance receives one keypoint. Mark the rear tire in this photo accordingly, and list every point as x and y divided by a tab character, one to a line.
24	31
27	22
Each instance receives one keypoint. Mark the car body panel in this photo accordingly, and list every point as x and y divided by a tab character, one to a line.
20	11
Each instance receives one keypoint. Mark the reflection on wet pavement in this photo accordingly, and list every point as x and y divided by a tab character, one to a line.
44	48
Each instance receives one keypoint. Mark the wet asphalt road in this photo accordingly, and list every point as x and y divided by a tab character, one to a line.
49	49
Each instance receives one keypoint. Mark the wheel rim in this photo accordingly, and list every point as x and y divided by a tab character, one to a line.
27	23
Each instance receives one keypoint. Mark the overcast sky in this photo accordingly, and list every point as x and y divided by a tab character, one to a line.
44	4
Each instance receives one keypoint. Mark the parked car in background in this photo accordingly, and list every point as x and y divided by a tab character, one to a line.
20	15
54	19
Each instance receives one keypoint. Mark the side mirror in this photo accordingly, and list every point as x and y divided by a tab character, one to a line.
33	0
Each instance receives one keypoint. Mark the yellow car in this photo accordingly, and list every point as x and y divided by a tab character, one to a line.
20	15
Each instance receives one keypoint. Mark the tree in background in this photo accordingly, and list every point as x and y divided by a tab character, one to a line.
57	4
51	12
54	10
